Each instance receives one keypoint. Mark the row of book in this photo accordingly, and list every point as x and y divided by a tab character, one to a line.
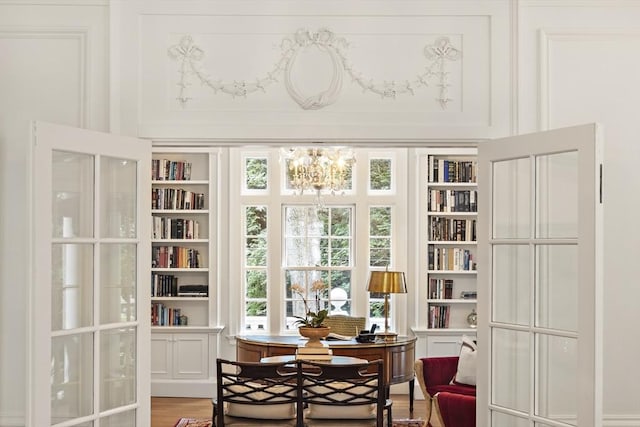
450	259
174	228
443	170
161	315
169	170
453	200
439	316
166	285
176	198
451	229
440	288
175	257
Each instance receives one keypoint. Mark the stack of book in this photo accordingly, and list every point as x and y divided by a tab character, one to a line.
193	290
322	352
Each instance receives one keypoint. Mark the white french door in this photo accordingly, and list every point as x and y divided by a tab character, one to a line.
540	280
90	331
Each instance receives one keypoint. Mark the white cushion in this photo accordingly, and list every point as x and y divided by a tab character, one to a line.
275	411
351	411
466	373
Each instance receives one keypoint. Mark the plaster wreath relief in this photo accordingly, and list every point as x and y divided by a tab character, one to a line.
190	58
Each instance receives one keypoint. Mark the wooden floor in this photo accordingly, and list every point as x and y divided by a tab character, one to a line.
165	411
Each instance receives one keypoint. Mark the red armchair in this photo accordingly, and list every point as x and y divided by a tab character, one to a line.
448	405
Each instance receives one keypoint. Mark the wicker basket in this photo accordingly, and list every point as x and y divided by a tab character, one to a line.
345	325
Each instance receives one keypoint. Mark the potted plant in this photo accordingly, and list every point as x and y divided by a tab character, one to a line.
311	324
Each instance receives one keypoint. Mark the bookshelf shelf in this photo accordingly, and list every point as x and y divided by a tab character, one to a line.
451	301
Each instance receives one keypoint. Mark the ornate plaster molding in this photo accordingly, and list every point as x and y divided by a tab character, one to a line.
190	58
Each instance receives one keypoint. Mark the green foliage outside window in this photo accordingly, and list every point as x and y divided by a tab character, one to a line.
256	176
380	174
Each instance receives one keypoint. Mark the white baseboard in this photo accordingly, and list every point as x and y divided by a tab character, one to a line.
621	420
12	420
183	388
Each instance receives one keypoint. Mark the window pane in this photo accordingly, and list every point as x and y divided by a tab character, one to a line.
511	199
498	419
256	283
118	193
510	369
557	287
380	236
117	368
557	378
118	283
314	285
330	168
72	286
380	174
512	270
118	420
256	173
306	242
71	377
256	252
256	220
557	205
72	204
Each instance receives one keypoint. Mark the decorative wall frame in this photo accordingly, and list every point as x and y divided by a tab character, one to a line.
190	58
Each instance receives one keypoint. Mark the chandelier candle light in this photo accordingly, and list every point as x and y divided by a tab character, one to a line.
387	282
319	169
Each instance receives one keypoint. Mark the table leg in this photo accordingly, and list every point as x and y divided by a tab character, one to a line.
411	384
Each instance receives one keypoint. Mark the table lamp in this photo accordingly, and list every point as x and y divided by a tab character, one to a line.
387	282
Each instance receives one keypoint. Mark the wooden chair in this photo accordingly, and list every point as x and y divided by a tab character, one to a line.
251	393
339	395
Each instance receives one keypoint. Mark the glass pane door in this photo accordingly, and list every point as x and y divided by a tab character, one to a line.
540	226
90	312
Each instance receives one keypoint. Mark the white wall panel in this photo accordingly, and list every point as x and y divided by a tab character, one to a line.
54	68
382	44
582	65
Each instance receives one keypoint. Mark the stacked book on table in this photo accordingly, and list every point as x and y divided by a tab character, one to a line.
313	353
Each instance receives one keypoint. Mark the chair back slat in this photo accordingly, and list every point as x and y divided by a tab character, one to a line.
344	385
255	384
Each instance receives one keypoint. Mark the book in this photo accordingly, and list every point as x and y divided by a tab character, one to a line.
314	350
339	337
313	357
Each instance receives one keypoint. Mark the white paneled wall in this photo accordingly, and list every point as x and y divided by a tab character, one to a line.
581	64
523	65
315	70
54	67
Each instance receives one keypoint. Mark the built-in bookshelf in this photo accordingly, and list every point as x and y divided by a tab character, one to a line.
447	282
181	207
183	272
451	246
182	201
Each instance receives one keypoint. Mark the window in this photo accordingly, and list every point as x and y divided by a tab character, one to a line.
327	250
255	267
318	250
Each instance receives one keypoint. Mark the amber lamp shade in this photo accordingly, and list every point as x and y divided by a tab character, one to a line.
387	282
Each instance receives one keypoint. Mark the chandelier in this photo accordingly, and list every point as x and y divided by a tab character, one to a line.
319	169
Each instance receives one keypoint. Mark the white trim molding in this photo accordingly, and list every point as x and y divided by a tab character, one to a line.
190	56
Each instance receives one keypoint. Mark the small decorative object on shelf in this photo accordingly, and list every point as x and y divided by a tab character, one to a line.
472	319
184	320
